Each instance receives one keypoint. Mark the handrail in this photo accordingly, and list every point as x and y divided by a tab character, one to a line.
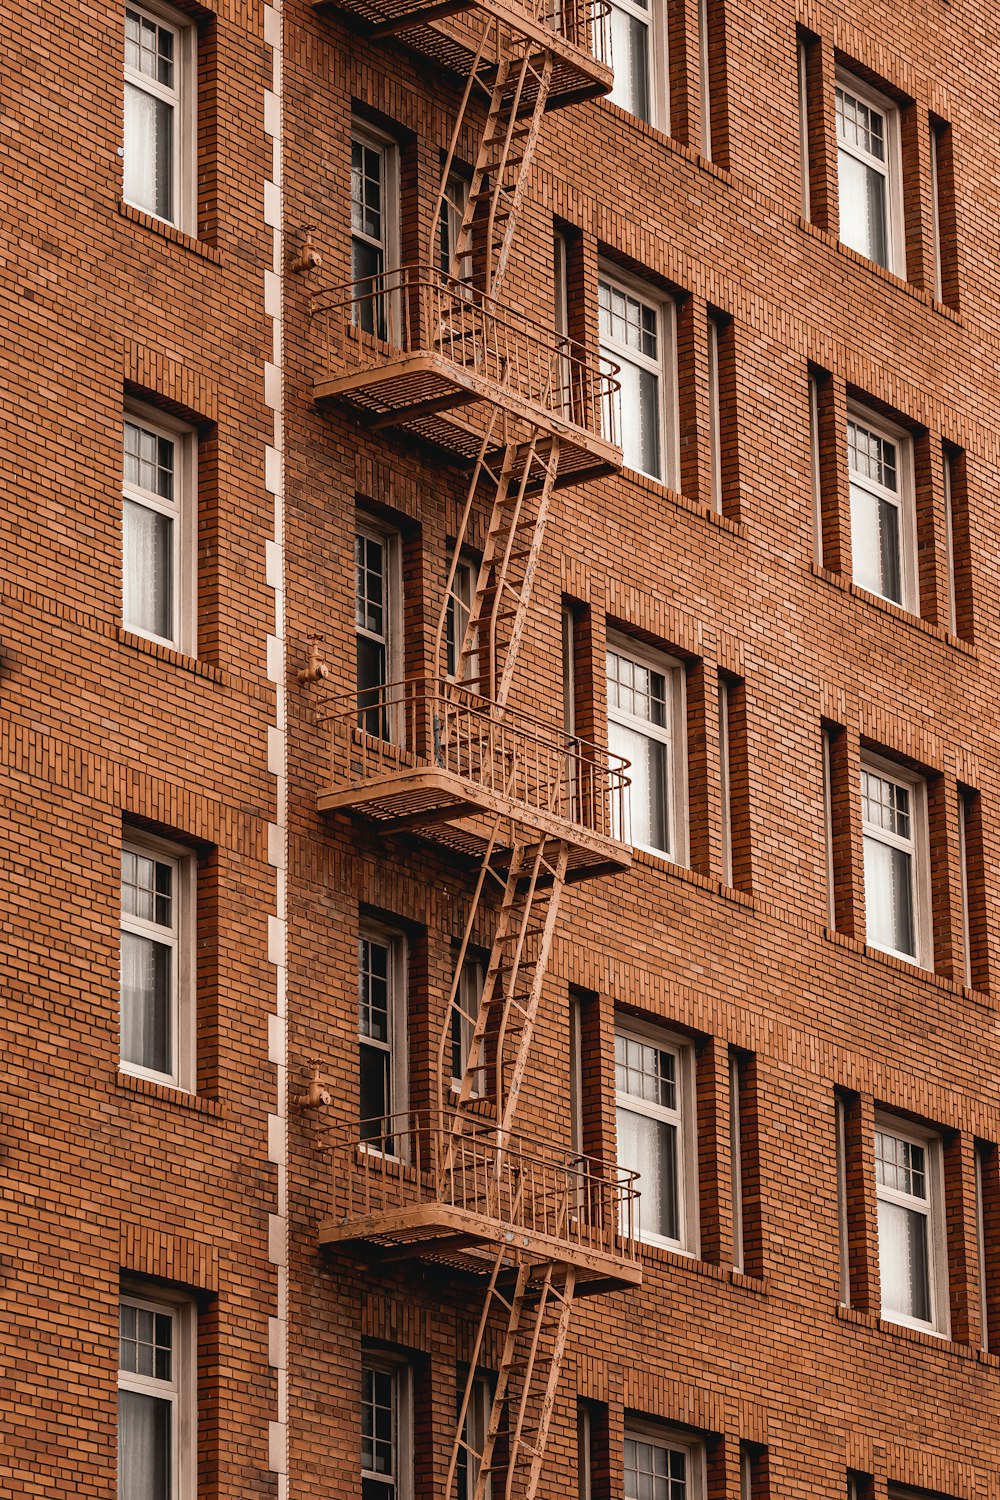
418	308
437	723
401	1161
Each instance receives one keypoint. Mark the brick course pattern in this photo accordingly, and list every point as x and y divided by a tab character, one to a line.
104	1174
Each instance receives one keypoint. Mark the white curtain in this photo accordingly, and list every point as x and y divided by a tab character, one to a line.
147	584
146	1030
144	1441
148	182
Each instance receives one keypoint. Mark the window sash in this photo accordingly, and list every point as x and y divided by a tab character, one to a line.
178	1396
661	802
388	1054
676	1175
927	1212
174	98
177	580
890	570
175	940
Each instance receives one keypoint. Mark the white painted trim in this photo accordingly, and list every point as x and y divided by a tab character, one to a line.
182	1390
917	845
891	168
683	1117
937	1246
183	509
182	940
673	736
903	498
183	97
641	1430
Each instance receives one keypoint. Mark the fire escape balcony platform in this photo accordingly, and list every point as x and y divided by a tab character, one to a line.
419	352
448	33
432	758
534	1203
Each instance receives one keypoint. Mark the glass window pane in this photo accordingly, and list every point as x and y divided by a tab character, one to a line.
646	798
639	418
863	217
889	897
903	1264
144	1447
147	571
649	1147
146	1003
149	152
630	37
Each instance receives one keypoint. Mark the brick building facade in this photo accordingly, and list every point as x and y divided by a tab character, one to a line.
682	394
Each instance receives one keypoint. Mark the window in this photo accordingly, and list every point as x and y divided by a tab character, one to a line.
637	332
646	714
935	148
805	165
463	590
453	204
156	1398
869	174
736	1067
158	509
714	414
631	38
897	860
157	932
386	1444
463	1024
662	1465
656	1134
376	610
910	1225
843	1226
883	518
374	228
725	778
159	98
381	1033
474	1429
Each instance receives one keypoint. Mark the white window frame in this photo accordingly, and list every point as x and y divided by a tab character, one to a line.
474	1431
401	1373
182	1390
802	65
891	168
453	206
664	367
714	414
661	1435
948	461
918	846
183	98
673	735
904	499
181	940
725	781
736	1072
979	1151
843	1228
470	992
389	244
684	1118
657	58
397	1046
183	511
933	1207
387	537
460	599
962	811
815	469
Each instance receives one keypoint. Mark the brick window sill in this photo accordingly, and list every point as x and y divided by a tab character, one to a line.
170	232
669	142
658	1255
828	238
684	502
903	966
936	632
693	877
864	1319
199	1104
190	664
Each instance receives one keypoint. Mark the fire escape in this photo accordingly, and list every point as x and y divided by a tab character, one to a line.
434	354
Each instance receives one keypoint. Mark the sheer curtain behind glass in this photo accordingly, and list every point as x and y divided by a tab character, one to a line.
147	962
151	103
146	1397
148	532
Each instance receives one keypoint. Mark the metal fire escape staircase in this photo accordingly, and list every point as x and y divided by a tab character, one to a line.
544	1228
